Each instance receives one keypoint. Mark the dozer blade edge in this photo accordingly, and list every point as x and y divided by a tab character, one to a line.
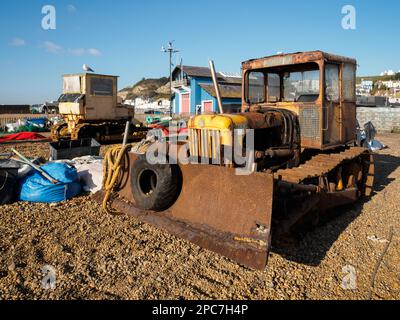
216	209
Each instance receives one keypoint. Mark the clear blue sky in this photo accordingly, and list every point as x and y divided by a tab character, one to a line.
126	37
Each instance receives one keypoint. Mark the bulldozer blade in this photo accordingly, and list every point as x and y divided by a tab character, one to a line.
216	210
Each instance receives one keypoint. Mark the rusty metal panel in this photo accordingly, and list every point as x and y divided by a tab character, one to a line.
349	122
206	199
278	61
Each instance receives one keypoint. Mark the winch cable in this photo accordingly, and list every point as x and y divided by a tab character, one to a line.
112	169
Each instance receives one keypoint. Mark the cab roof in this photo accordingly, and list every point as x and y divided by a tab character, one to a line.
89	74
295	58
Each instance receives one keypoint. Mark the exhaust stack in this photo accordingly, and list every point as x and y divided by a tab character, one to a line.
216	86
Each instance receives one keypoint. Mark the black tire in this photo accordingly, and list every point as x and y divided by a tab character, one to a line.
8	182
154	186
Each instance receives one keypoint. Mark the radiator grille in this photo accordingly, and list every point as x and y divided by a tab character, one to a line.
205	144
310	125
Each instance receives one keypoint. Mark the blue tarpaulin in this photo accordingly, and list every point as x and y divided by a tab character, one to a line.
40	122
36	188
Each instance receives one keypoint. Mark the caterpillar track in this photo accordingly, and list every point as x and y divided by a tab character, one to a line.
324	182
102	131
322	165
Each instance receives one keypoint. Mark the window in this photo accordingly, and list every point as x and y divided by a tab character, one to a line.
256	88
348	85
292	83
274	87
72	84
302	86
101	87
232	108
332	82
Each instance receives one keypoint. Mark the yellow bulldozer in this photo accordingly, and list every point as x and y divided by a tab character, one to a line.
90	109
289	157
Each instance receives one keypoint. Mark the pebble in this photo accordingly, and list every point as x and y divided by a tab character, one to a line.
135	260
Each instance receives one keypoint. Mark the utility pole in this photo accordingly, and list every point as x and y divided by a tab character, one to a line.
170	49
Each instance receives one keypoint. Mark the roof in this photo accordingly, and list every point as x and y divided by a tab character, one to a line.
89	74
295	58
197	71
227	91
205	72
231	80
10	109
14	105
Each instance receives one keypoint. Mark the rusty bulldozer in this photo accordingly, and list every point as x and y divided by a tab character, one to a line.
299	114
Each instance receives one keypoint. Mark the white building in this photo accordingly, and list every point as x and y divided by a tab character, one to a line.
129	102
365	87
141	104
367	84
391	84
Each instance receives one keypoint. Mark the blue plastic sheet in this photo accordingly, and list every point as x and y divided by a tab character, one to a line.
41	122
36	188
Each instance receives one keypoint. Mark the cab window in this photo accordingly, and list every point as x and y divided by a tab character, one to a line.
292	83
349	82
256	87
301	86
273	88
332	88
101	87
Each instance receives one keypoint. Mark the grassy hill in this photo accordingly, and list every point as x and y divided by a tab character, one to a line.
147	89
379	78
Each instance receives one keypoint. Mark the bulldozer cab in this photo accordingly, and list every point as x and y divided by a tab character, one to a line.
90	108
318	87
